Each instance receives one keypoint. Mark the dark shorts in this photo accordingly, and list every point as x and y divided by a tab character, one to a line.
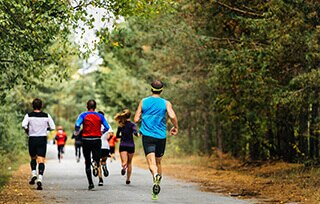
112	150
37	146
61	148
130	150
104	153
151	144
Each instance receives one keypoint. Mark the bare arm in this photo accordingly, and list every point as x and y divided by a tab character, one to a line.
173	118
137	116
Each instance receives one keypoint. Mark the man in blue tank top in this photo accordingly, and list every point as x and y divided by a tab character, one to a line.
153	111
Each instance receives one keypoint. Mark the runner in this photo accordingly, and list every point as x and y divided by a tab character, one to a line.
112	143
61	138
36	124
77	145
104	154
91	122
152	111
125	131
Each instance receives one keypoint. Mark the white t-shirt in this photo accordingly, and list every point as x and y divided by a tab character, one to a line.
104	141
38	123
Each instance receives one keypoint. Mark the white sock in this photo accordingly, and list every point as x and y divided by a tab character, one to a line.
154	176
34	173
40	177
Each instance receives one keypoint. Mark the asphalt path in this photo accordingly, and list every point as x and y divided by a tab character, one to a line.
66	182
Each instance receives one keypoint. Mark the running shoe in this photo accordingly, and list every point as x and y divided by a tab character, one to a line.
154	196
33	180
91	186
156	184
94	169
100	182
123	172
105	170
39	184
128	182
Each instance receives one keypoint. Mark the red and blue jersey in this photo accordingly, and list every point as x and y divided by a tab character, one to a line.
91	122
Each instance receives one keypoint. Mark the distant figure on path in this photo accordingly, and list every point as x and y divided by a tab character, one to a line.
77	145
91	122
36	124
61	138
105	148
126	130
112	143
153	111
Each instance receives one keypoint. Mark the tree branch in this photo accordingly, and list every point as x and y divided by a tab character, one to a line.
225	39
257	15
5	60
13	61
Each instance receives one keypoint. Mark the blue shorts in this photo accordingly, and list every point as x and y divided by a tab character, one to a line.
153	145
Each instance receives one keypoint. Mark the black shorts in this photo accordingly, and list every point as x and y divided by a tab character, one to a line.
130	150
112	150
104	153
37	146
151	144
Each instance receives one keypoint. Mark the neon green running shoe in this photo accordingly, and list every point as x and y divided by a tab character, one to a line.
154	196
156	184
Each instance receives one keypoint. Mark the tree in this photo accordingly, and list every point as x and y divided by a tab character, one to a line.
233	69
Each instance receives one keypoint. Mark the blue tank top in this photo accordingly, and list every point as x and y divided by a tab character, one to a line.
153	120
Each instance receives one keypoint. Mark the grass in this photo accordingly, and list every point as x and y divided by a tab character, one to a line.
10	163
268	182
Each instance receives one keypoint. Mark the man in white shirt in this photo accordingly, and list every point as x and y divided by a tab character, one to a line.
36	124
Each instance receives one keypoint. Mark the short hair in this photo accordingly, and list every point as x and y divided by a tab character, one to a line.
156	87
37	104
91	104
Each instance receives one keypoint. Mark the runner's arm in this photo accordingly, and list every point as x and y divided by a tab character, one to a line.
51	124
118	135
137	116
173	118
105	124
77	126
25	124
134	130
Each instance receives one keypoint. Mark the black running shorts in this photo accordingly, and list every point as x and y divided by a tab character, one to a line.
112	150
104	153
130	150
37	146
151	144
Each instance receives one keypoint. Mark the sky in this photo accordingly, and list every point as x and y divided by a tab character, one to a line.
92	64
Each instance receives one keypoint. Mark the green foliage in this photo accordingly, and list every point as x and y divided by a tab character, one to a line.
29	29
242	76
229	67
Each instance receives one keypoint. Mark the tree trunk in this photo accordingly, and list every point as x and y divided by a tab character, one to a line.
314	140
219	141
303	131
271	140
207	133
285	133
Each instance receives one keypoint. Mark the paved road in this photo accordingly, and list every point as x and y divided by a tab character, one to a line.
66	182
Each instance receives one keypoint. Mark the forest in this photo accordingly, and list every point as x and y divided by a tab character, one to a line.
243	76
